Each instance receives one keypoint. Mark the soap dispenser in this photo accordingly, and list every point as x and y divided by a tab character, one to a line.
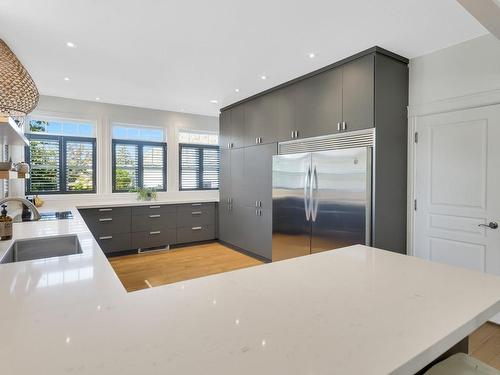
5	224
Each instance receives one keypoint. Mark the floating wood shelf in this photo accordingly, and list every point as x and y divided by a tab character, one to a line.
11	175
11	134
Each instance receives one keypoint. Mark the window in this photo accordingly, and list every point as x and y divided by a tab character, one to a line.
199	161
62	157
139	158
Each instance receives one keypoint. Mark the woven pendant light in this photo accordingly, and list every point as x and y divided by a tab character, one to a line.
18	93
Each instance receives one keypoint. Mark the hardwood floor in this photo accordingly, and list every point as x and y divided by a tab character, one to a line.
484	344
148	270
140	271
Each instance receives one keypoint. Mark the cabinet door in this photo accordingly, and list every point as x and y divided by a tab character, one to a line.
226	223
225	129
238	180
238	126
358	84
258	232
284	101
261	119
258	175
225	175
318	104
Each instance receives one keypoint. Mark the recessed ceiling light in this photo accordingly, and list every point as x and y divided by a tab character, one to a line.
263	77
71	45
236	90
214	101
66	78
311	55
97	98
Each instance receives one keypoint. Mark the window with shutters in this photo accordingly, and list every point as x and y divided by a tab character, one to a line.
198	161
62	156
139	158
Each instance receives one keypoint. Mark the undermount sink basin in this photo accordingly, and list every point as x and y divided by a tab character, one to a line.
42	248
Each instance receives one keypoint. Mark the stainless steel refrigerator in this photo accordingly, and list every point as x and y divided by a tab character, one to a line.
321	201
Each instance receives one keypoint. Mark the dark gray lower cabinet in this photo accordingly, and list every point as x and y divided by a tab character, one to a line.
150	225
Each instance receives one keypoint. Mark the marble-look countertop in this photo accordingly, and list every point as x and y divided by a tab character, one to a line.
357	310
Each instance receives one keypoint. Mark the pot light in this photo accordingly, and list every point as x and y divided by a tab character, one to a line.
236	90
66	78
311	55
71	45
263	77
97	98
214	101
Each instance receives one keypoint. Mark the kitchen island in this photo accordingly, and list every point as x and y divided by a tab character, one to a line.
357	310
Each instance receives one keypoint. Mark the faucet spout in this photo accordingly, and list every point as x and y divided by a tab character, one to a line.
31	206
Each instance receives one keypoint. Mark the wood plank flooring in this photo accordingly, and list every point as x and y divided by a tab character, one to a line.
140	271
148	270
484	344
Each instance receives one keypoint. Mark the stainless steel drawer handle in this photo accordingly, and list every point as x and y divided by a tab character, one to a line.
344	125
155	232
105	209
154	216
196	204
196	228
106	219
196	213
106	238
154	207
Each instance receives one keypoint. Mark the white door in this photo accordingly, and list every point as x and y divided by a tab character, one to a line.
458	189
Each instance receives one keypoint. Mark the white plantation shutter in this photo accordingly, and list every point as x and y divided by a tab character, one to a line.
199	167
45	161
126	168
153	167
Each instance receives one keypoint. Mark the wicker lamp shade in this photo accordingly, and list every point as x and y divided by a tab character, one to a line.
18	93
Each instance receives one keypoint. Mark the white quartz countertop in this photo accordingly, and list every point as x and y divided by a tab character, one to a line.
356	310
134	202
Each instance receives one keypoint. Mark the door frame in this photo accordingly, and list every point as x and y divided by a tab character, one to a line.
417	112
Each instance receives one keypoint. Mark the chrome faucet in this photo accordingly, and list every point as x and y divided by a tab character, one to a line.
31	206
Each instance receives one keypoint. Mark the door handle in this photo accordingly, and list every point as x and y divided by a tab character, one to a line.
491	225
338	126
307	180
344	125
314	198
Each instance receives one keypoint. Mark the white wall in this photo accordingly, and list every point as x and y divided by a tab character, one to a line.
103	115
467	68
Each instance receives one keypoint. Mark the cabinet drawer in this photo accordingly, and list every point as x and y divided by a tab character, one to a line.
195	234
154	209
105	211
196	217
110	243
154	221
108	224
188	207
144	240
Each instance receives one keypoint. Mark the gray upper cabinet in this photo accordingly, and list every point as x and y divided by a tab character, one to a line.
225	129
238	126
358	90
261	120
318	104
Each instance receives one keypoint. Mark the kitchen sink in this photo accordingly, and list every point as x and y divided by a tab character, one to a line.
42	248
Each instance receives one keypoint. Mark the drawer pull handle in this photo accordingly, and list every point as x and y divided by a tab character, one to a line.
105	209
196	204
196	213
155	232
152	207
196	228
154	216
106	219
106	238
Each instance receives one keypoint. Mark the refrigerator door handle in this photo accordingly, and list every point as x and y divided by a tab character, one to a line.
307	183
314	192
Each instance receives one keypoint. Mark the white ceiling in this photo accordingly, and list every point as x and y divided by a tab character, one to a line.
179	55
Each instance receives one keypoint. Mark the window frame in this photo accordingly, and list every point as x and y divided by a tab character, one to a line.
62	140
200	163
140	162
